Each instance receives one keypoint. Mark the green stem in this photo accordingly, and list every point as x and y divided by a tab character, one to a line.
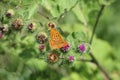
95	25
94	60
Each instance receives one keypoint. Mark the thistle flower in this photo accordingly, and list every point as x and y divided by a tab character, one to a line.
65	48
71	58
41	47
31	27
17	24
41	38
53	57
82	47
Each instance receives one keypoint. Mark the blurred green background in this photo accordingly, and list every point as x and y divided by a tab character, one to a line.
19	56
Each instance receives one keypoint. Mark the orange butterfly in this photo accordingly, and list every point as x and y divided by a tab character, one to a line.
56	40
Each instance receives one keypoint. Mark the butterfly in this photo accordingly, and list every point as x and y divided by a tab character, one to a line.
56	40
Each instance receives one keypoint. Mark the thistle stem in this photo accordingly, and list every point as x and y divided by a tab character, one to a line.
94	60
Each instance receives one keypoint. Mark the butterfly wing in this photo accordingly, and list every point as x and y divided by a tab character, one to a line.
56	40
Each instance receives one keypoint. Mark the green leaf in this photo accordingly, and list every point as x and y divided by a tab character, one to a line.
37	64
32	10
79	36
12	77
70	39
78	12
3	73
106	2
76	38
74	76
101	49
58	7
26	73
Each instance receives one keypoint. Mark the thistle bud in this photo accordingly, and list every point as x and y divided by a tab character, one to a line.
41	38
41	47
4	28
51	25
17	24
53	57
31	27
10	13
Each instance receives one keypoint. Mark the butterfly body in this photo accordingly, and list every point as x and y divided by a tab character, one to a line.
56	40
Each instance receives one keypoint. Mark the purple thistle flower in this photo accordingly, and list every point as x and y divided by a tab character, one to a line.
82	48
65	48
41	47
71	58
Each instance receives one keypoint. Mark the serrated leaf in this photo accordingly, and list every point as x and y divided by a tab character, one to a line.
58	7
78	12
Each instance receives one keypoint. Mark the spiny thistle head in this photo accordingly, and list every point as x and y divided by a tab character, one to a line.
65	48
70	58
41	37
82	48
41	47
17	23
31	26
53	57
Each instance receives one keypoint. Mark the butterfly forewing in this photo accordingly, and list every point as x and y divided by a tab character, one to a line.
56	40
